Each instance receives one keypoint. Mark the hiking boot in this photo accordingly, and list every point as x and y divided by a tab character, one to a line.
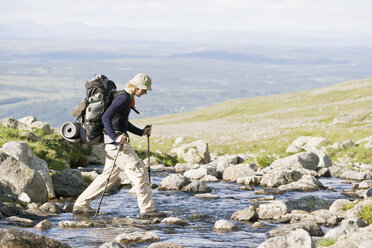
152	214
83	210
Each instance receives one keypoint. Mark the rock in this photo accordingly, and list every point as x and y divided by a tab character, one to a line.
68	182
304	160
308	203
324	160
336	171
248	214
14	238
22	152
50	208
182	168
258	225
224	225
366	141
201	172
271	209
306	183
92	174
24	197
12	123
207	196
368	193
137	237
196	187
346	227
75	224
174	221
178	141
111	245
294	239
97	155
366	184
17	177
354	175
195	153
209	178
357	207
234	172
18	221
44	225
324	172
311	227
165	245
226	161
361	238
27	120
47	129
30	136
7	209
338	205
347	143
276	178
174	182
306	143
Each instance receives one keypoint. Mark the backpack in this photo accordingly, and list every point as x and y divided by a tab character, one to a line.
88	128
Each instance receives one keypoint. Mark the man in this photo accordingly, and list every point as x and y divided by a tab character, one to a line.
116	124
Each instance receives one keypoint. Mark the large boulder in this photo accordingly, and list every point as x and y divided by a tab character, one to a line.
14	238
306	183
306	143
22	152
311	227
174	182
346	227
234	172
294	239
354	175
12	123
361	238
68	182
196	187
276	178
201	172
195	153
16	178
271	209
304	160
308	203
248	214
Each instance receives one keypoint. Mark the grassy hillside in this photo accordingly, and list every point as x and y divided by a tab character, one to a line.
269	123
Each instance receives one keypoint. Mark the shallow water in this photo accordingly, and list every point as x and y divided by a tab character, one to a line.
199	232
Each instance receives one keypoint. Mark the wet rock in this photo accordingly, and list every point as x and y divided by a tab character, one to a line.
207	196
196	187
268	192
174	221
234	172
224	225
7	209
354	192
122	221
75	224
137	237
306	183
304	160
294	239
44	225
111	245
270	210
336	171
24	197
258	225
308	203
311	227
368	193
324	172
306	143
165	245
366	184
174	182
51	208
22	152
195	153
248	214
251	180
354	175
209	178
182	168
68	182
14	238
17	177
361	238
346	227
276	178
18	221
201	172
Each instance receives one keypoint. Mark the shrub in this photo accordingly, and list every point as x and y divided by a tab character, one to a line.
264	160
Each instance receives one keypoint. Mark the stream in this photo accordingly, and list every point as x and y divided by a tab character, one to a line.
201	214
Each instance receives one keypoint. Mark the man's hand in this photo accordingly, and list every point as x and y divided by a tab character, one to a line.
147	130
122	139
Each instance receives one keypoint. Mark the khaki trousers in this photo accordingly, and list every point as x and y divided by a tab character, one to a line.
129	162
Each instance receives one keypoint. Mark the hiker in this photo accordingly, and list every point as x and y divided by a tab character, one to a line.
116	124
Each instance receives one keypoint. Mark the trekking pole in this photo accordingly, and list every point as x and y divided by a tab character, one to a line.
148	155
108	179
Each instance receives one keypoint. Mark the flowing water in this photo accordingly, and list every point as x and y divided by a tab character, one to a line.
201	214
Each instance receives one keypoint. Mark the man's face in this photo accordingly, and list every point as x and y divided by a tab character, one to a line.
140	92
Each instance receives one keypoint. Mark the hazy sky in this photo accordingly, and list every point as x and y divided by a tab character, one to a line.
263	15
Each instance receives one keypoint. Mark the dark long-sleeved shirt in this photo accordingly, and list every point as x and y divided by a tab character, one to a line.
116	118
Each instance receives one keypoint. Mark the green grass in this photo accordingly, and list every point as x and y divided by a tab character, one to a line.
52	148
366	214
347	206
263	159
87	179
163	158
327	242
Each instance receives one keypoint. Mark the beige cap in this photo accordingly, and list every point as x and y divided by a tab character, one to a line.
142	81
